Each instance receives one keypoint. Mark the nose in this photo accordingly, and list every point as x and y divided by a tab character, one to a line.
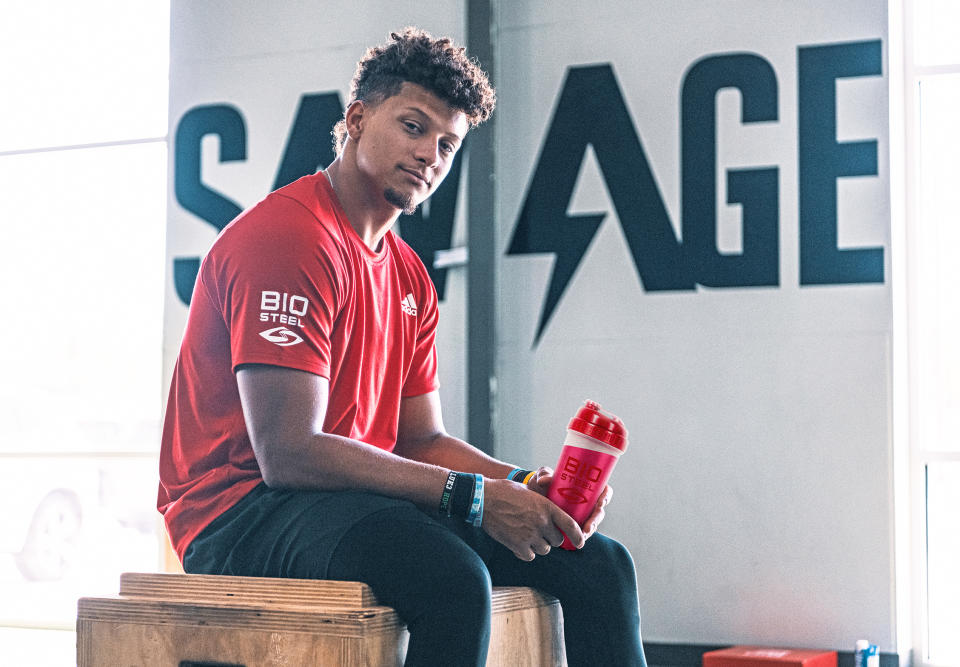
428	152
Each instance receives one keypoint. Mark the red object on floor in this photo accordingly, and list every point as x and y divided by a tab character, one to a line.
764	656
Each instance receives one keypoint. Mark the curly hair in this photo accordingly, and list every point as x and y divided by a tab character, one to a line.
436	64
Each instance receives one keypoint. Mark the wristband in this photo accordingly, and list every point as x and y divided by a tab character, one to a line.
520	475
462	496
447	493
530	475
458	495
475	516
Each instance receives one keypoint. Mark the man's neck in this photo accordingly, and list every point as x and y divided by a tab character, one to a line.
367	211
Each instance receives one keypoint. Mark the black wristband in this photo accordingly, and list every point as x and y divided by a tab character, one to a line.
448	487
519	474
463	491
457	495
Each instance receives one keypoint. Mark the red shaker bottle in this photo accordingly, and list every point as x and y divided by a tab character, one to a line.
595	440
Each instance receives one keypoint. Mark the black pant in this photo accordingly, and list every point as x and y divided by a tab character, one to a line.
437	574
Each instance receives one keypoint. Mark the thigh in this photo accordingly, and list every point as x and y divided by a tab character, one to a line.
603	565
401	552
433	579
282	533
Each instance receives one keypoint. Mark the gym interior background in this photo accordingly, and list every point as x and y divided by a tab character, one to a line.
729	223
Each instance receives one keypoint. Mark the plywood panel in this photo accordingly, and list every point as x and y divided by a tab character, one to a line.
161	619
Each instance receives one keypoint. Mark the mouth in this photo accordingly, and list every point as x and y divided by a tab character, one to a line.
416	176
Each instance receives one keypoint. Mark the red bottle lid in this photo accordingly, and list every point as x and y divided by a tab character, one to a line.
591	421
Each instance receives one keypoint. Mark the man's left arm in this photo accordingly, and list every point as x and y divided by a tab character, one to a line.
421	436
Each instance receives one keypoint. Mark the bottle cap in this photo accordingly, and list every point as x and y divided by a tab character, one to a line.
591	421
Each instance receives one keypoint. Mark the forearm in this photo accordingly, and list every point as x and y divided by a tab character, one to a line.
452	453
332	463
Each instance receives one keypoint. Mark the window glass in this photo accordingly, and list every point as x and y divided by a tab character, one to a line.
83	72
938	235
29	646
81	261
943	575
72	524
934	233
82	265
935	25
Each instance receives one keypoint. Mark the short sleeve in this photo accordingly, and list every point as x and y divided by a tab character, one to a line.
276	275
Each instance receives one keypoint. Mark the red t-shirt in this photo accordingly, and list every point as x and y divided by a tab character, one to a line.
290	283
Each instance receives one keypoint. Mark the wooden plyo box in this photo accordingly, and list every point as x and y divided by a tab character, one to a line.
172	619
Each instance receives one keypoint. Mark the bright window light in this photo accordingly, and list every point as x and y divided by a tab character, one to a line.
938	235
936	24
83	72
943	548
83	162
934	234
82	263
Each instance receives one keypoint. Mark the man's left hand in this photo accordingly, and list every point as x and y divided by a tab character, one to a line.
541	484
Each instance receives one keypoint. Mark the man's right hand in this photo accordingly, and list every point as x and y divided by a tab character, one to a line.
524	521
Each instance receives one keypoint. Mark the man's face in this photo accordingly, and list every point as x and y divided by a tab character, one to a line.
407	145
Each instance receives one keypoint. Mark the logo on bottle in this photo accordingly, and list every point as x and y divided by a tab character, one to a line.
571	494
578	474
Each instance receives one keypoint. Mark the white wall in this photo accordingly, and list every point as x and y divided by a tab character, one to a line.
756	495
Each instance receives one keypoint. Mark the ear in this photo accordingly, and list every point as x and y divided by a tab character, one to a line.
354	119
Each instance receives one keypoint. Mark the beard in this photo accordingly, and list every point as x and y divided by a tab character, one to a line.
404	202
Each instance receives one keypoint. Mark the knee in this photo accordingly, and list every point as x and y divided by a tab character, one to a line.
465	589
613	562
451	608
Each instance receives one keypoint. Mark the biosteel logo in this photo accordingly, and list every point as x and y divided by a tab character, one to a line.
281	336
287	309
283	308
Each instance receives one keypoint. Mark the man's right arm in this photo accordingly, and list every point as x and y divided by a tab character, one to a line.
284	411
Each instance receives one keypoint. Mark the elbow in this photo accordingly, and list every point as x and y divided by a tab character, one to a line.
272	478
273	474
277	464
292	463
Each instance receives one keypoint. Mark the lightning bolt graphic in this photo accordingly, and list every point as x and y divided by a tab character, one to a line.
546	228
544	225
591	111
